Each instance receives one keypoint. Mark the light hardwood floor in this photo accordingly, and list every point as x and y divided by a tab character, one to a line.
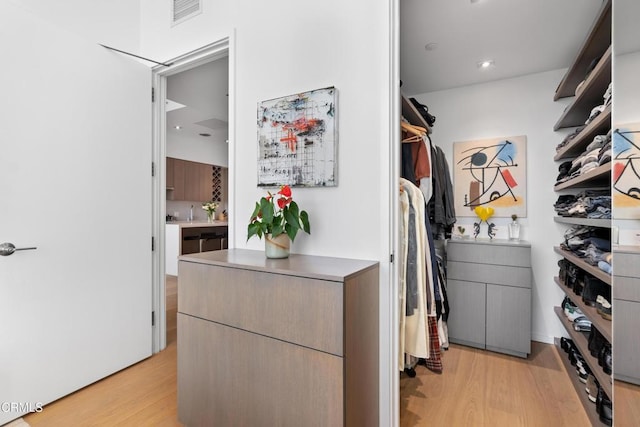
626	411
477	388
144	394
481	388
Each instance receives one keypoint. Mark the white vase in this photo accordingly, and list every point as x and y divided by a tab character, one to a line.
276	247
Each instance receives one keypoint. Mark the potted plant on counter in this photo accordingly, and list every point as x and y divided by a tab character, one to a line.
278	218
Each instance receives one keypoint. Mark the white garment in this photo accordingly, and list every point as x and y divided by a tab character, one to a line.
426	186
416	326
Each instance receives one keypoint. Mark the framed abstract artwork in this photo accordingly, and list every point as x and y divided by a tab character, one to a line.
625	194
298	140
491	172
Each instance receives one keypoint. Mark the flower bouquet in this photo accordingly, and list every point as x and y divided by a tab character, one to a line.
210	208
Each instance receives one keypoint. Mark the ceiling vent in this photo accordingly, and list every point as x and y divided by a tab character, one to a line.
185	9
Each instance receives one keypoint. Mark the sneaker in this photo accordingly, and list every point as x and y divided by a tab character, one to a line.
582	324
583	370
571	310
604	308
566	344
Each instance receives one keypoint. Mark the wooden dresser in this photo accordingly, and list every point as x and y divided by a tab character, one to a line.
277	342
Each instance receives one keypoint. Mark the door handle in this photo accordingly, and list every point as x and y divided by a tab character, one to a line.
7	249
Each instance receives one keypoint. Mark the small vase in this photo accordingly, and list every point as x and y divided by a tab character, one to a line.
276	247
514	231
210	216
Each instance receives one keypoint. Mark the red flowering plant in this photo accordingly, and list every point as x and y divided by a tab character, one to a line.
277	214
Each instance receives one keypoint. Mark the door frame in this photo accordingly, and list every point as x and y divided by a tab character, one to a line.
216	50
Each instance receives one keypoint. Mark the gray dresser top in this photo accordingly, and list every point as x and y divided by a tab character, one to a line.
314	267
494	242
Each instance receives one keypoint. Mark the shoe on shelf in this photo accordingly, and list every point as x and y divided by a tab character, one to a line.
574	356
596	341
571	310
582	324
583	370
591	388
566	344
605	359
592	288
604	307
606	410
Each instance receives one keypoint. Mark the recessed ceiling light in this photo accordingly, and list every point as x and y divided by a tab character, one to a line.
486	64
431	46
177	127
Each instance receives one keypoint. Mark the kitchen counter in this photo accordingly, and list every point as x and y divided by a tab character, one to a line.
184	237
198	223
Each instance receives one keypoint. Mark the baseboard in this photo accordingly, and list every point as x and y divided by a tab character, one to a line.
541	338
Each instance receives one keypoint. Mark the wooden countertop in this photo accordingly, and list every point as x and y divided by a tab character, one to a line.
314	267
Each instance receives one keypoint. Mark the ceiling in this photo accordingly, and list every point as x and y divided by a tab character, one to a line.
203	92
520	36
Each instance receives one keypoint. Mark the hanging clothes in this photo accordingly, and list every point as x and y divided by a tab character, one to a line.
441	209
415	326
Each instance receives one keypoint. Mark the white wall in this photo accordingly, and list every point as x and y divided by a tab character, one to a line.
626	88
114	23
518	106
280	48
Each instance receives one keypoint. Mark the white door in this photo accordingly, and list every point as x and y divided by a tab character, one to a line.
75	181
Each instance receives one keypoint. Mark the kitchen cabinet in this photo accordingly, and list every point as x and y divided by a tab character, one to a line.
284	342
169	171
176	189
489	290
184	237
189	181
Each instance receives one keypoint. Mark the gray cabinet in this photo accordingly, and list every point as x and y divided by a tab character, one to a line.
489	290
626	306
277	342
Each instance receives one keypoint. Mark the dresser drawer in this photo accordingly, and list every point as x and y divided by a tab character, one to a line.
626	264
489	253
303	311
626	288
486	273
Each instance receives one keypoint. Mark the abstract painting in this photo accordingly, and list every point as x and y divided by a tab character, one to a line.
491	172
626	171
298	140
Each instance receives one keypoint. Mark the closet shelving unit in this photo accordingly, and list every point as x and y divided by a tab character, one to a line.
597	45
410	112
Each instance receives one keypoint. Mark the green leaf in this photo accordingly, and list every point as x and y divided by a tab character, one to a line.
253	229
267	210
305	222
293	208
277	229
255	211
291	219
291	231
